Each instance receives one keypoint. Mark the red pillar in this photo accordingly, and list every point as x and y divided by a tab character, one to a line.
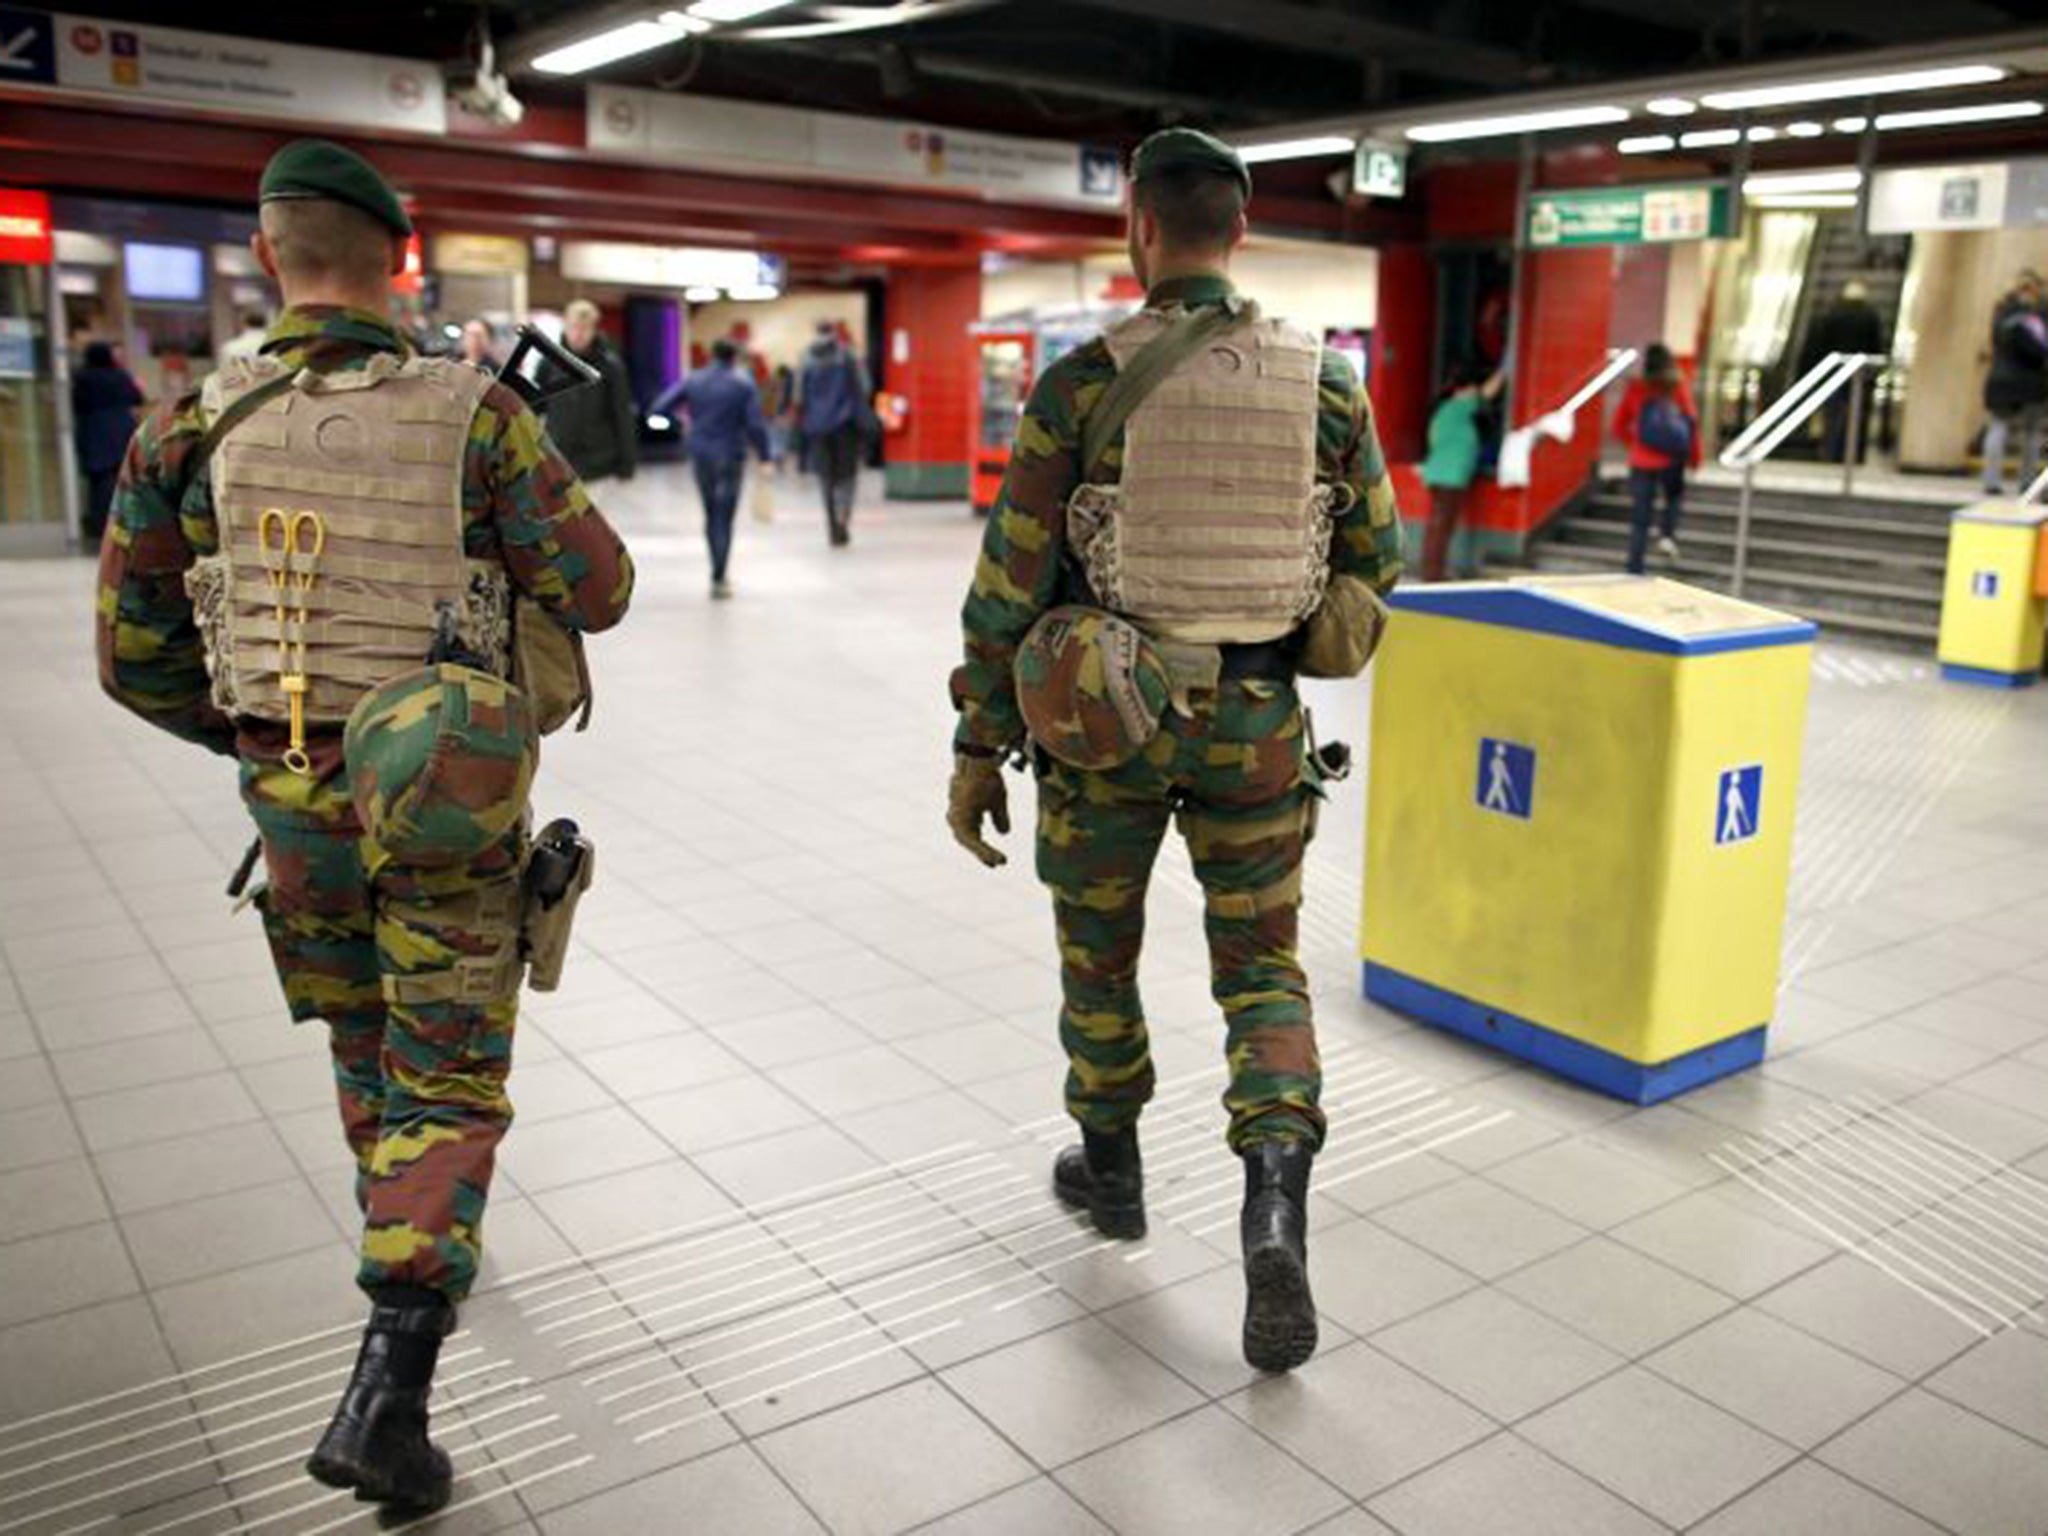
928	361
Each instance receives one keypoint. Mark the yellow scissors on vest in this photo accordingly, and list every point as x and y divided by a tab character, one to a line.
290	543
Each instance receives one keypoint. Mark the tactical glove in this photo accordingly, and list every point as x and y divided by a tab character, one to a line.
977	791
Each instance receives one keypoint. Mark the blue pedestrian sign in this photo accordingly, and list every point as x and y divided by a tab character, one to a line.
1102	171
1507	778
1738	804
1983	583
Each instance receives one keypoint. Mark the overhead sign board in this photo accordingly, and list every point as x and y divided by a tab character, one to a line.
699	131
480	255
670	266
24	228
1988	195
1629	215
139	61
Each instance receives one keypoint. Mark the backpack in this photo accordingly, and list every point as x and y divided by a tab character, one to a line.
1664	428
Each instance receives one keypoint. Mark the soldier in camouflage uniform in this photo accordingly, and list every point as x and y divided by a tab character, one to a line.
401	935
1226	759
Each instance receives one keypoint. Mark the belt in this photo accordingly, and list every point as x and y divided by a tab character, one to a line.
1271	661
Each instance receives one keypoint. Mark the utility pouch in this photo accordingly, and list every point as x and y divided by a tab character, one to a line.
548	667
1344	631
559	868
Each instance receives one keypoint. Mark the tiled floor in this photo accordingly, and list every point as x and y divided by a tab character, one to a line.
770	1249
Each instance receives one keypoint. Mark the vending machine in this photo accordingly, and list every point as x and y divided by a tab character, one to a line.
1005	362
1009	356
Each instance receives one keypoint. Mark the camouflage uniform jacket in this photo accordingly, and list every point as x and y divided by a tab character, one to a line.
1023	570
522	505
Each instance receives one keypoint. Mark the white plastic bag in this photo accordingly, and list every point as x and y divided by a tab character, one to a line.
761	496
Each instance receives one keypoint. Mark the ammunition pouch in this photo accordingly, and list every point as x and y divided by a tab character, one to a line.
548	664
1340	637
559	869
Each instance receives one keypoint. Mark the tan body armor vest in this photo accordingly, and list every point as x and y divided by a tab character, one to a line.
339	504
1217	532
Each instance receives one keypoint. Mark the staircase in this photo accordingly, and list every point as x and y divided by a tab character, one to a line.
1865	566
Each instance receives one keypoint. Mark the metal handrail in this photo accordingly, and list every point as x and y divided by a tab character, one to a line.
1619	360
1786	415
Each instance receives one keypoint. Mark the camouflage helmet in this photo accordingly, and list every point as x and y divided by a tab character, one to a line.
1091	686
440	760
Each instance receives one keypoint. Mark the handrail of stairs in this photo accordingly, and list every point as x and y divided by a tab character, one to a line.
1786	415
1519	444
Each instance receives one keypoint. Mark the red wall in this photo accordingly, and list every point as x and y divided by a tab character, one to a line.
1567	298
934	306
1402	343
1561	340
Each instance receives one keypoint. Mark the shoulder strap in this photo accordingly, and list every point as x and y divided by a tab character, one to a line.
1147	370
239	410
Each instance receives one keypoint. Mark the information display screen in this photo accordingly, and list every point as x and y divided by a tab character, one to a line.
164	274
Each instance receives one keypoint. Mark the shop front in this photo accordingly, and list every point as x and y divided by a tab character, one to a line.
36	507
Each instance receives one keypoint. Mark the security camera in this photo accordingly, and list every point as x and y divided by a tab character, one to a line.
479	88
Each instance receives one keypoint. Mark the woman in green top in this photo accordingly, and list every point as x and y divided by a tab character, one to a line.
1453	461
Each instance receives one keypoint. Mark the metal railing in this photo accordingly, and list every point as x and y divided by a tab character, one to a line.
1786	415
1559	421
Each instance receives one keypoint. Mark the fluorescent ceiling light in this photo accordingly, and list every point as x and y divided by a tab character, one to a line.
702	294
1803	181
619	43
1793	200
735	10
1296	149
1805	129
1858	85
1935	117
1761	135
1670	106
1516	122
659	423
1851	124
754	292
1709	138
1647	144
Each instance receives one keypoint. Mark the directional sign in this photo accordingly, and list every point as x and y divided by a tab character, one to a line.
1629	215
28	47
1983	583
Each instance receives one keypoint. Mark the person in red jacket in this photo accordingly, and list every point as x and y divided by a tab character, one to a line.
1661	425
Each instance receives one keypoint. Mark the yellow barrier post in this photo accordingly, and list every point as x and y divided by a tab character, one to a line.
1992	616
1579	822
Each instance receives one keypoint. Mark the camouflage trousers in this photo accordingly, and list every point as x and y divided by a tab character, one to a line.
415	972
1232	776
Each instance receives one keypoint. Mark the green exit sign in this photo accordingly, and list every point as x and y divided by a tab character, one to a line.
1379	170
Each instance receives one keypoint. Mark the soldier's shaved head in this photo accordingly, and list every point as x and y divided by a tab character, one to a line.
1186	218
319	249
1197	209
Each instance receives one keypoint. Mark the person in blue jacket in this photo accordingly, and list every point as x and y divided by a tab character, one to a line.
724	412
835	419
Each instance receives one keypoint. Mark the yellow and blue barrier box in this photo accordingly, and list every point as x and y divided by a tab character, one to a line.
1579	822
1992	615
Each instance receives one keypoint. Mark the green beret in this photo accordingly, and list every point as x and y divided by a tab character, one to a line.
1175	149
316	168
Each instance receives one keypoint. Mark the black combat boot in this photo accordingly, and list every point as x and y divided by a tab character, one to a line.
1104	1177
1279	1313
377	1443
